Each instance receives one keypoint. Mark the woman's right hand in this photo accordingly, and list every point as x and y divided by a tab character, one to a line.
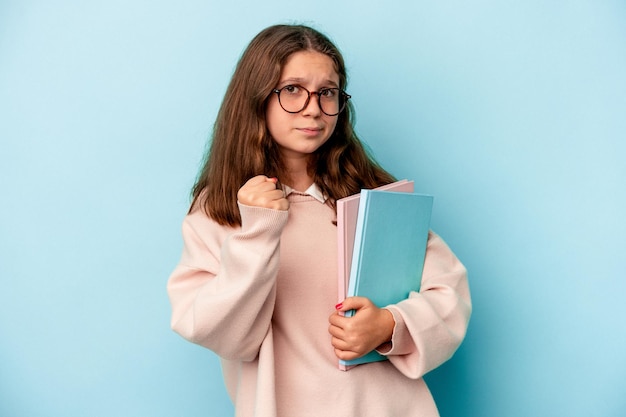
261	191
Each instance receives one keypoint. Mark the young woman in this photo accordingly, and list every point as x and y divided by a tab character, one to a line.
257	281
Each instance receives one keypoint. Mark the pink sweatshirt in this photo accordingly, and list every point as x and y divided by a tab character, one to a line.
260	296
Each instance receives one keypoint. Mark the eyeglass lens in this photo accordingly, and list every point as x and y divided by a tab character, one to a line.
294	99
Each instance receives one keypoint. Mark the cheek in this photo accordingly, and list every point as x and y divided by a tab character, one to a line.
332	124
273	118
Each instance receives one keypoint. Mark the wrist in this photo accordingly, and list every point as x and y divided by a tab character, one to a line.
388	324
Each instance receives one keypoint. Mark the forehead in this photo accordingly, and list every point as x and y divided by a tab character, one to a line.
310	66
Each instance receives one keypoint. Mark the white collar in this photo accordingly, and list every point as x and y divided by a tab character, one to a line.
314	191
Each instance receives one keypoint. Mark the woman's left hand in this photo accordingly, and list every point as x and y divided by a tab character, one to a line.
369	328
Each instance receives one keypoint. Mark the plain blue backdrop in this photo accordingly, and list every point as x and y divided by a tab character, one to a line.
513	114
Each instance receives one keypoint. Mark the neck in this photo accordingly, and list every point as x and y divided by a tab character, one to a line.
297	169
300	184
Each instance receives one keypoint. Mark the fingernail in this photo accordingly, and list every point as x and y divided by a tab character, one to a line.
338	306
274	180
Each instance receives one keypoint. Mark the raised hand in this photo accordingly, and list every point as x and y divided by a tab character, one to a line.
261	191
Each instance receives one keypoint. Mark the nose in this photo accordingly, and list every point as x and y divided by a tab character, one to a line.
313	108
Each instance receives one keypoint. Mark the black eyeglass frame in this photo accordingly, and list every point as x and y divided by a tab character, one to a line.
345	95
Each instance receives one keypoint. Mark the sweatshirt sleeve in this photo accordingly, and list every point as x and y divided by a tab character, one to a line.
431	323
223	290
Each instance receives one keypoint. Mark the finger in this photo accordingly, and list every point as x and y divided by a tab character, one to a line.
275	194
339	344
342	344
280	204
261	194
261	182
353	303
265	201
334	319
262	187
338	320
259	179
252	186
346	355
336	331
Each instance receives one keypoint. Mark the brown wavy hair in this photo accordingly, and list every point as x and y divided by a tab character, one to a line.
242	147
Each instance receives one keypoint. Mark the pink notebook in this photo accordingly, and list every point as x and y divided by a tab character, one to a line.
347	211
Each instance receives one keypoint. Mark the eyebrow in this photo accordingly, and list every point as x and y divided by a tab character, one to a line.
296	80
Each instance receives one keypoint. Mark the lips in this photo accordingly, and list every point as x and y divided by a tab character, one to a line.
311	130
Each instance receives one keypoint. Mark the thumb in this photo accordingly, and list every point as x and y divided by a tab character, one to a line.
353	303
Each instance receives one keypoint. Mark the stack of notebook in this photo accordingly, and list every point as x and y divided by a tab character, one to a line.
382	238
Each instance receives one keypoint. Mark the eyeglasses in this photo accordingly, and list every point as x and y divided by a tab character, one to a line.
295	98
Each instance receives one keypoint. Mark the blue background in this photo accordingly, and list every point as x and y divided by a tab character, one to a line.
511	113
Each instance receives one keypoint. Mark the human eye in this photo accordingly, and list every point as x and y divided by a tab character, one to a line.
328	92
292	89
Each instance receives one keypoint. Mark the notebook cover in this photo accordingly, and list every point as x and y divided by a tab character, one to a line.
347	210
389	248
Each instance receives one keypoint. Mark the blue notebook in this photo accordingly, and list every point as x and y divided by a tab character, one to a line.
389	250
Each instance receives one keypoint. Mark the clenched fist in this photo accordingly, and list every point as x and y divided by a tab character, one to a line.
261	191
